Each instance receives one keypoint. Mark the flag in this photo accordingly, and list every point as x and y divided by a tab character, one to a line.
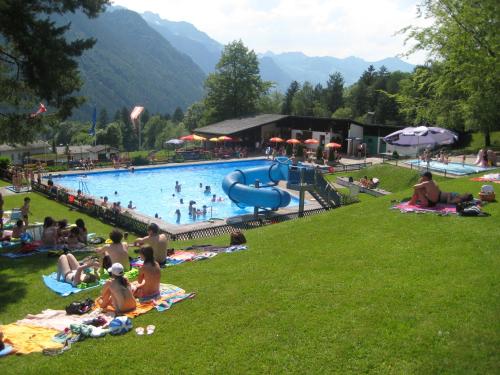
41	109
136	112
94	121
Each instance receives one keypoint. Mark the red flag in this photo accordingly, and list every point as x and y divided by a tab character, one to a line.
41	109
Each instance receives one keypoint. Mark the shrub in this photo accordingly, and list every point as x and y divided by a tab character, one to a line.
395	155
331	155
300	151
289	149
4	162
319	152
140	160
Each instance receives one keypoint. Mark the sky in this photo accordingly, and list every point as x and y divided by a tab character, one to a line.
339	28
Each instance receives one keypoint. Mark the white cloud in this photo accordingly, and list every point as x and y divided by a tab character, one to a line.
340	28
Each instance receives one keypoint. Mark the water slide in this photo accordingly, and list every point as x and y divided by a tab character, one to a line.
239	185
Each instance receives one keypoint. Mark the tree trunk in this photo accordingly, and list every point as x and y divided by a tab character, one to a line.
487	138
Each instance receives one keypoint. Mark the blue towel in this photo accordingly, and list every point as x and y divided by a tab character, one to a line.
62	288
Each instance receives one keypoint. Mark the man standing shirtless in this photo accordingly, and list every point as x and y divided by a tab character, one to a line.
426	192
157	241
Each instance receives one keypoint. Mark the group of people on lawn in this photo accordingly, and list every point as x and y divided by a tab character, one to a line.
427	193
118	292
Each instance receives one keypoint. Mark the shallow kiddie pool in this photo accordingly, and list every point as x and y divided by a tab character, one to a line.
453	168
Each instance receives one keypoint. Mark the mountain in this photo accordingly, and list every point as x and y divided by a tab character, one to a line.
317	69
206	51
202	49
132	64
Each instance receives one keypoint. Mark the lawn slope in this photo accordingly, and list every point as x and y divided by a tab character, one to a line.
357	289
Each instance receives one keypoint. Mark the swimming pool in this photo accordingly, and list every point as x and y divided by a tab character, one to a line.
453	168
152	190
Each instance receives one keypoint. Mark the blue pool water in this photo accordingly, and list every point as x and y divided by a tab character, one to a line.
151	190
453	168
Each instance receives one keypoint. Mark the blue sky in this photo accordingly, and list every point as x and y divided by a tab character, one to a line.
340	28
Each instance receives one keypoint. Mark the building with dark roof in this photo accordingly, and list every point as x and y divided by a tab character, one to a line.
257	130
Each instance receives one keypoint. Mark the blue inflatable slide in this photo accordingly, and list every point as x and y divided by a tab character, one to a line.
240	185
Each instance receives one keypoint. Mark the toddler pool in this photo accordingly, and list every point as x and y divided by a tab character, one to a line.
152	190
453	168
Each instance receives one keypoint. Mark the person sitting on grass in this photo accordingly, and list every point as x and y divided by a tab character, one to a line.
82	231
49	233
117	291
148	282
117	250
364	182
72	272
426	192
157	241
73	240
62	232
19	229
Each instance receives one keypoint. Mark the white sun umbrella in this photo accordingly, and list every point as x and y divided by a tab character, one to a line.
421	136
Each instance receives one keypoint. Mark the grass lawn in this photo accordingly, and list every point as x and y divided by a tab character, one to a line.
477	141
391	179
354	290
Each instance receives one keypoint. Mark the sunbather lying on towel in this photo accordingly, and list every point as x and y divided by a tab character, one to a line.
117	291
70	271
454	198
426	192
148	282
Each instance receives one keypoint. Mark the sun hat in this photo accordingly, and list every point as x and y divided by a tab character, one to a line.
116	269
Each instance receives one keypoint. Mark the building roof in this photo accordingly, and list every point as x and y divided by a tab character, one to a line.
101	148
236	125
74	149
26	147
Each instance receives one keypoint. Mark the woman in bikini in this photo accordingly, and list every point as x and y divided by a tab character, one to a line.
148	282
72	272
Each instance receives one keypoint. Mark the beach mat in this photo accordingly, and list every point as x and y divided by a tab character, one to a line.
493	177
440	208
62	288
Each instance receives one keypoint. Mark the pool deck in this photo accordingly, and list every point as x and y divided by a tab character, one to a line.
174	229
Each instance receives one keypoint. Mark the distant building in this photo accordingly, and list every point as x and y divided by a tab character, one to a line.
76	152
103	152
17	153
261	128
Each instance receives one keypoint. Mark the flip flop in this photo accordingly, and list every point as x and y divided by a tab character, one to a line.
139	331
150	329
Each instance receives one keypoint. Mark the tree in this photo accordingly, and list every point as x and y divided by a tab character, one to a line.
37	63
235	87
178	115
335	91
303	101
194	116
270	103
463	43
152	129
129	136
103	119
290	93
111	136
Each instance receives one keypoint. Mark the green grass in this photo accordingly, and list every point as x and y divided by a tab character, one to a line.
477	142
391	179
360	289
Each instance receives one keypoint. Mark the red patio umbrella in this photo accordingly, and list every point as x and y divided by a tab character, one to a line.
276	140
225	138
311	141
333	145
293	141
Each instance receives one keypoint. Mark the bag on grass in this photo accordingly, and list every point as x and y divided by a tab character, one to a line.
79	308
465	210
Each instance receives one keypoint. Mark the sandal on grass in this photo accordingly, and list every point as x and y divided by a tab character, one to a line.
150	329
139	331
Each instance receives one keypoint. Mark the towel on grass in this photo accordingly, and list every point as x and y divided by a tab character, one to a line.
493	177
65	289
439	208
59	319
28	339
169	295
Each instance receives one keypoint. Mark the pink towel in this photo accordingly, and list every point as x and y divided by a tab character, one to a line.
440	207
